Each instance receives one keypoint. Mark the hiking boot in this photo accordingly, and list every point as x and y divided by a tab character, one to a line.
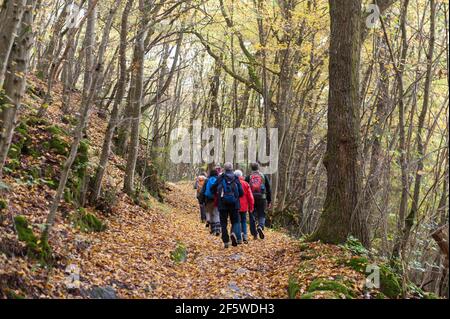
207	224
260	233
255	237
227	245
234	241
245	241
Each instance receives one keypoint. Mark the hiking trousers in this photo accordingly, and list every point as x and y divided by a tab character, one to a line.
258	216
233	214
243	224
203	216
212	215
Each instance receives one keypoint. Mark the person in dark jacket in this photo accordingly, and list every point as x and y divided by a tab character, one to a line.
260	186
210	200
198	185
229	190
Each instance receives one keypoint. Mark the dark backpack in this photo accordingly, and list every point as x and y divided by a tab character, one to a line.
257	185
229	192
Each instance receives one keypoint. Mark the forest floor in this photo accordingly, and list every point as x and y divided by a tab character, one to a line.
156	250
134	257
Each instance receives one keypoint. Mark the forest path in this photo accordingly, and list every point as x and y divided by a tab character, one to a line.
134	256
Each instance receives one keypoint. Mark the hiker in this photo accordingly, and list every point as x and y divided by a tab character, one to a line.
260	186
198	185
247	205
218	169
210	201
229	191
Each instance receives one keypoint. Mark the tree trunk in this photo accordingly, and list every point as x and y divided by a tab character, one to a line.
89	58
342	215
137	69
440	235
163	70
8	31
15	81
68	83
409	222
377	154
50	54
112	124
402	138
103	46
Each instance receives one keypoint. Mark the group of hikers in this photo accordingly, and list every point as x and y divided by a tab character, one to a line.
226	194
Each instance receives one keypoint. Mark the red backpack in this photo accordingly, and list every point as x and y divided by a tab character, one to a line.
257	184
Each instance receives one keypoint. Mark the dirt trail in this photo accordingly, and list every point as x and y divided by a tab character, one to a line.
134	256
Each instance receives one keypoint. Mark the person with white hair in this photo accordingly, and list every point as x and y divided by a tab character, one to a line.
247	205
229	190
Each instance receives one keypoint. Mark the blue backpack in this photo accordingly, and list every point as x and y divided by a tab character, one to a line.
211	181
229	192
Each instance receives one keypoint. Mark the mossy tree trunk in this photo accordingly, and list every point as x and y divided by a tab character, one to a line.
15	81
342	214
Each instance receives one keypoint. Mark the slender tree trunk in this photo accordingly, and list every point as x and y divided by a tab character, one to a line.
163	70
50	54
123	130
402	134
68	83
103	46
89	58
112	124
137	70
409	222
104	91
377	154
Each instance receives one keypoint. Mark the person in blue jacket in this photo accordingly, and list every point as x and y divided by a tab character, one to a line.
229	191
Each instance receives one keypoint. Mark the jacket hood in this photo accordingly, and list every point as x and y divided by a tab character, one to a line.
229	175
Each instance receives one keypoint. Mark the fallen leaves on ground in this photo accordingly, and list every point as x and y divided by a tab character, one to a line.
134	257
